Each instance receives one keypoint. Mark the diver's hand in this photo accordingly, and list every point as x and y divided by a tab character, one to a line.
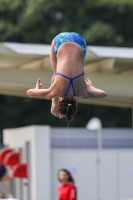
38	84
89	83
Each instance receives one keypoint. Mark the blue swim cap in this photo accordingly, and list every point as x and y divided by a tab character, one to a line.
2	170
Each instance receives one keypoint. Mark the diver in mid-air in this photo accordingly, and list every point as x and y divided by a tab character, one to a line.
68	50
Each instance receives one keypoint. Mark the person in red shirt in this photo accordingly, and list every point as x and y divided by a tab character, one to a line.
67	190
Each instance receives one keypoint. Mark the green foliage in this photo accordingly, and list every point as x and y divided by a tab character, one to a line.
101	22
17	112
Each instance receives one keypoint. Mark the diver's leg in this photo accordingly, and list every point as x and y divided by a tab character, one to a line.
53	60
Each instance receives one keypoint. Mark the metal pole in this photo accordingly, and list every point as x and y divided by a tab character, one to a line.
21	181
28	159
99	146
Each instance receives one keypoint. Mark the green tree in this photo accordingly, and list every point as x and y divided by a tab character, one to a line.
18	111
101	22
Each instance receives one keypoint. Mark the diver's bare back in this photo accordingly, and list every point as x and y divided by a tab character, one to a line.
70	64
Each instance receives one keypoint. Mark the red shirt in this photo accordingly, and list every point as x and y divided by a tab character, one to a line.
67	192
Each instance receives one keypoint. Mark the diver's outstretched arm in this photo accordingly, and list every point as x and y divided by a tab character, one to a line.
37	91
94	92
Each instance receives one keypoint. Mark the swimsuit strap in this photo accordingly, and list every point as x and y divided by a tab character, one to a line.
58	73
71	81
82	74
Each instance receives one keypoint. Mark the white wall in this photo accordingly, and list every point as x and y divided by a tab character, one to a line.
116	173
126	174
113	180
39	161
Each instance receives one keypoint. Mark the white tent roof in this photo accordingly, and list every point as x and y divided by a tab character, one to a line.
109	68
115	52
40	49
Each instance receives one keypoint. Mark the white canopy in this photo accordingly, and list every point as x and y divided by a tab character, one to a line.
109	68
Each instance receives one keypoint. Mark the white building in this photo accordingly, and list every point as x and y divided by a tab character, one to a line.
46	150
